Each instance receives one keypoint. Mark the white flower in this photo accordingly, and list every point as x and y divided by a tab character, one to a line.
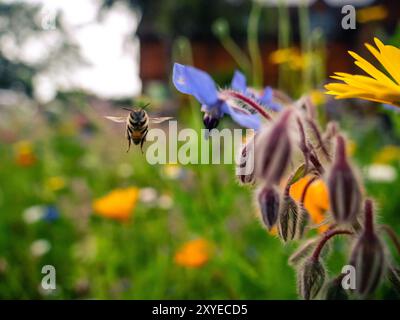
381	173
33	214
165	202
40	247
148	195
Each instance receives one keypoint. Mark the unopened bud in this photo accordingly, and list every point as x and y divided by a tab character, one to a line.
368	256
274	150
394	277
335	291
311	279
302	222
245	167
344	190
287	219
268	200
220	28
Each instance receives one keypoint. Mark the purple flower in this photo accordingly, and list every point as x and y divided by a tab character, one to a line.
214	103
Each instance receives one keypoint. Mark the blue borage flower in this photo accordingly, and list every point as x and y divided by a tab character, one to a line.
240	102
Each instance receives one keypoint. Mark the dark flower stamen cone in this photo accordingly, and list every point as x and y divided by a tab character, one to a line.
268	200
368	256
344	190
210	121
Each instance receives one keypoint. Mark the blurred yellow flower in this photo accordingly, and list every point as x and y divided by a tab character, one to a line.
378	86
24	156
193	254
55	183
351	147
387	155
173	171
374	13
291	56
118	204
316	201
317	97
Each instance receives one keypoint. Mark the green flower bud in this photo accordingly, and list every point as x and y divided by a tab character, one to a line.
311	279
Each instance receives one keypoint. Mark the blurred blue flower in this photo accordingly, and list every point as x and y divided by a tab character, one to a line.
51	214
190	80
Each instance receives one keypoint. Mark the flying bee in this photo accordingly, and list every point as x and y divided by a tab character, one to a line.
137	125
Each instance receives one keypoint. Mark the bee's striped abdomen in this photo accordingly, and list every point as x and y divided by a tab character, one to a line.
137	126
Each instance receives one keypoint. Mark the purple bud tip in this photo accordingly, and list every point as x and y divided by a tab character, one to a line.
210	122
369	218
285	116
341	149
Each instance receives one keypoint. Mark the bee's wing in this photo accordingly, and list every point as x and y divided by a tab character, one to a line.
116	119
159	120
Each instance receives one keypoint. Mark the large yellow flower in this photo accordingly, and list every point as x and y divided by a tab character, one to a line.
118	204
193	254
378	86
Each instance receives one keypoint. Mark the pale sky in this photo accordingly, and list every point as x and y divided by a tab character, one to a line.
114	64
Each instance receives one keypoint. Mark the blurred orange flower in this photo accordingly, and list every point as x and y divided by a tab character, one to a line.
24	155
374	13
193	254
118	204
316	201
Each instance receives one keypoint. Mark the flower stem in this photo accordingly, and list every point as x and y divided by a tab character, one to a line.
328	235
254	48
248	101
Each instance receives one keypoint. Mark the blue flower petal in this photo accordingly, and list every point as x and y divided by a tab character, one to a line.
195	82
239	81
251	121
267	100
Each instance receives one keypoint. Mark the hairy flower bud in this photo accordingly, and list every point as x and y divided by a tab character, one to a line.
287	219
245	167
344	190
394	277
368	256
302	221
335	291
311	278
268	200
274	149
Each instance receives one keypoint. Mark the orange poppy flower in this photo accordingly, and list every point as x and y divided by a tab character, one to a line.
193	254
118	204
316	201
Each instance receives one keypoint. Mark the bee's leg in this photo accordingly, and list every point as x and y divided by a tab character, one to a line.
142	141
129	144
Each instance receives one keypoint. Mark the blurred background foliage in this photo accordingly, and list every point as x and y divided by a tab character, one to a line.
116	227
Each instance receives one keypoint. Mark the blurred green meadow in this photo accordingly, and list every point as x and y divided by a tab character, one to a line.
61	157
